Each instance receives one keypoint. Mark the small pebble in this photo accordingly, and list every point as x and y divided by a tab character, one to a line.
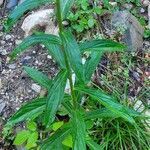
49	57
36	88
142	10
7	37
18	42
12	66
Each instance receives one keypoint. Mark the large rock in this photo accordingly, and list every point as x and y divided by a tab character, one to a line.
131	29
40	19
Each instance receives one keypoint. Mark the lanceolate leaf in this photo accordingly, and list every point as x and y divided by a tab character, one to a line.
91	64
56	52
21	9
73	54
35	39
100	113
39	77
102	45
55	96
36	107
108	101
78	131
31	110
106	113
65	7
56	138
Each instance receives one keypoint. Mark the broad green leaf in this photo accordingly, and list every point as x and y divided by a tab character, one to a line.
108	101
93	145
56	138
91	64
31	125
21	137
36	107
78	131
31	142
68	141
39	77
55	96
35	39
73	54
57	53
101	45
57	125
27	5
65	7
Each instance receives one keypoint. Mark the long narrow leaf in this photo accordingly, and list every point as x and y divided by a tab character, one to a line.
100	113
36	107
65	7
21	9
78	131
39	77
102	45
55	96
34	39
73	54
108	101
91	64
105	113
32	109
56	138
55	51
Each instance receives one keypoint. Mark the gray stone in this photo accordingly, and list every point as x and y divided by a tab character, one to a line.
130	28
2	106
36	88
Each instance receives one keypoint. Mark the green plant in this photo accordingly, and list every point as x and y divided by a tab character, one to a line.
75	131
83	16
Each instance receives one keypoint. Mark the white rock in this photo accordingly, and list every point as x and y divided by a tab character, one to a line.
36	88
18	42
12	66
49	57
40	18
7	37
1	2
145	2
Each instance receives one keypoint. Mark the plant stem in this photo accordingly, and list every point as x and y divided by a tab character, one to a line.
59	18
